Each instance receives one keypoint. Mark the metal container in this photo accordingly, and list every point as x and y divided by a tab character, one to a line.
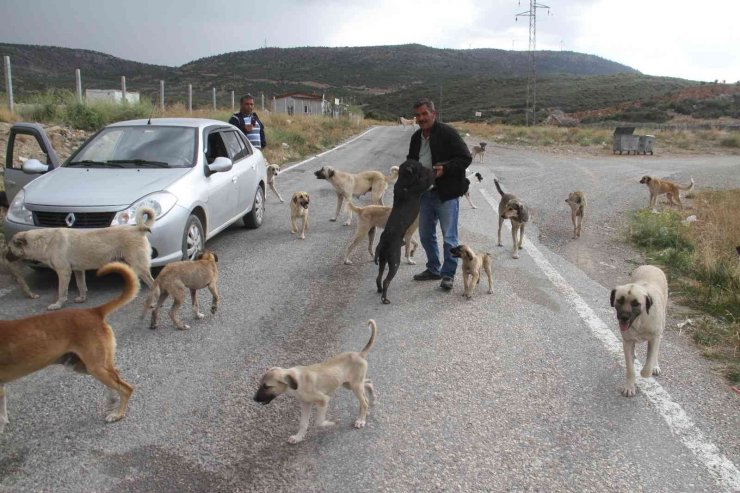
646	144
625	141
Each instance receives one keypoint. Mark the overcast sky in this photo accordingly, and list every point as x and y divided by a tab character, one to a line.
695	40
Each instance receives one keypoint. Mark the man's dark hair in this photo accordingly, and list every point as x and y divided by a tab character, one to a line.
424	102
245	97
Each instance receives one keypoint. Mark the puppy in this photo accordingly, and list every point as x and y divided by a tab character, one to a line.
577	203
472	265
479	177
348	185
68	250
479	150
404	121
14	269
376	216
272	172
315	384
641	311
80	338
178	277
510	207
413	180
299	209
658	187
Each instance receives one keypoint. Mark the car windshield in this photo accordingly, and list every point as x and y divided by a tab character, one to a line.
140	146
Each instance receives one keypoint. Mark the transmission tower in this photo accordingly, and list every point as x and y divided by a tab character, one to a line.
532	75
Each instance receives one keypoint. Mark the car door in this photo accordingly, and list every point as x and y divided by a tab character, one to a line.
223	192
244	167
26	141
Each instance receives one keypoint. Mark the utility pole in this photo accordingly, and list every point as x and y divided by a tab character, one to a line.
190	98
9	83
532	75
124	100
78	84
161	95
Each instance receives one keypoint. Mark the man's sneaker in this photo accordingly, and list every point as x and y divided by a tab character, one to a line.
447	283
427	276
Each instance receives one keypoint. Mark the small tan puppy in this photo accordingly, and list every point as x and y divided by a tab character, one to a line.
510	207
479	150
577	203
348	185
80	338
472	265
272	172
315	384
368	219
178	277
299	210
14	269
658	187
641	311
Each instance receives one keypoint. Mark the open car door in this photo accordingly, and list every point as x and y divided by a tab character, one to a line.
25	141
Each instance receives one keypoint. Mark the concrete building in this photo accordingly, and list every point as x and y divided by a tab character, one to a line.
110	95
299	103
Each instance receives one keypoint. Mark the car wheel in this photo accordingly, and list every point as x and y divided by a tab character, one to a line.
193	239
253	219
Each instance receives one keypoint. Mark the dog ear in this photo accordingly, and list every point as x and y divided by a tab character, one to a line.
20	241
331	172
468	255
523	213
648	303
295	199
578	199
611	298
291	381
215	257
199	255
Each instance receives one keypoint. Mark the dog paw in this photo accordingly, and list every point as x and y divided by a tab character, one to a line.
348	223
214	309
628	390
360	423
183	327
33	296
333	219
499	244
386	301
295	439
293	232
303	237
490	291
411	261
347	261
199	315
474	207
80	299
646	373
54	306
516	255
281	201
656	371
113	417
327	423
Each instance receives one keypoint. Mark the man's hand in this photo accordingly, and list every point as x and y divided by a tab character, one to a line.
438	170
248	128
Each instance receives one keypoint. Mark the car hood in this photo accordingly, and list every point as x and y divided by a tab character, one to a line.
83	187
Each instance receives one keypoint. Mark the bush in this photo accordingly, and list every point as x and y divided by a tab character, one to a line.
731	141
96	115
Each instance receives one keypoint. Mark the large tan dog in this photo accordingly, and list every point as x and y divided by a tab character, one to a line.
68	250
80	338
348	185
577	203
375	216
510	207
315	384
641	311
473	263
299	210
658	187
179	277
272	172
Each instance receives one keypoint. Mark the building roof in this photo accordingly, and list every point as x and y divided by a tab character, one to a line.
299	95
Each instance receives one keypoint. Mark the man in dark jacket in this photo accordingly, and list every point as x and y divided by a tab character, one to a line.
248	122
438	146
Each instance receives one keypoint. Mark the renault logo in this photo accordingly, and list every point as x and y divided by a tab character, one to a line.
70	219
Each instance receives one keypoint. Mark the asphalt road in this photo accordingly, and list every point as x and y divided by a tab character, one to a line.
515	391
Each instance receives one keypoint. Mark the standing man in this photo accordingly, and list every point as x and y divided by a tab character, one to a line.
438	146
248	122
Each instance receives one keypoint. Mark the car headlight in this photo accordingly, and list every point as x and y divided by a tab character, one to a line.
161	202
17	212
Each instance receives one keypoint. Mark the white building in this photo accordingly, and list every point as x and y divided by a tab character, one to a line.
298	103
110	95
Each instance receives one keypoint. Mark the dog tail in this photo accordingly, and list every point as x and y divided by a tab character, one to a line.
479	177
353	207
374	329
498	187
689	186
130	287
150	217
393	176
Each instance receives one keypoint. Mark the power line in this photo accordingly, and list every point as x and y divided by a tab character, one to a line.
532	75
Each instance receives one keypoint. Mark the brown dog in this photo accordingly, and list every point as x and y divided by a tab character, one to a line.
577	203
510	207
80	338
479	150
178	277
375	216
299	209
272	172
657	187
472	265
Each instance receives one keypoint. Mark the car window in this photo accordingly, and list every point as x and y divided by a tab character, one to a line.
27	147
216	147
234	145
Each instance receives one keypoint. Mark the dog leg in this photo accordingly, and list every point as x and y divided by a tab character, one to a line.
371	240
470	201
272	187
370	392
81	286
651	361
521	236
349	213
303	426
293	227
196	307
101	367
216	298
304	225
3	409
163	296
379	279
575	228
359	391
21	281
340	198
515	250
177	295
629	360
500	223
353	244
465	285
392	269
474	280
322	407
411	247
64	277
489	274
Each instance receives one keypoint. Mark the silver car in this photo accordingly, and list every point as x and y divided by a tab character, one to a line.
199	176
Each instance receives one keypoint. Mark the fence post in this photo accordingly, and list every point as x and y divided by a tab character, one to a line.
78	84
262	95
161	95
190	98
8	83
123	90
232	101
214	99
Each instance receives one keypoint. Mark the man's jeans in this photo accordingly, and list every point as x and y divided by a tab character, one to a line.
433	210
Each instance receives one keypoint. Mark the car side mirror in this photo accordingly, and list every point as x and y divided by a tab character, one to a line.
220	164
34	167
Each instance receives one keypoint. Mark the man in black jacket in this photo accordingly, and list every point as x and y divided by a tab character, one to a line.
248	122
438	146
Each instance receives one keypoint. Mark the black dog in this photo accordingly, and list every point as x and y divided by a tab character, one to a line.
413	180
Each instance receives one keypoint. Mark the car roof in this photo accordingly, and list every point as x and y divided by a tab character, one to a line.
172	122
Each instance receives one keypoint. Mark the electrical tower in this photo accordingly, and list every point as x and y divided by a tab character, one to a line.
532	75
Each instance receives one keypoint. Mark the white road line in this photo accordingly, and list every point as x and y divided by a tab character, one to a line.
327	152
5	291
678	421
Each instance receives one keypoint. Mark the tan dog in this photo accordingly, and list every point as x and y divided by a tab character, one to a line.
80	338
272	172
375	216
405	121
68	250
641	311
577	203
510	207
315	384
472	265
299	209
178	277
658	187
348	185
14	269
479	151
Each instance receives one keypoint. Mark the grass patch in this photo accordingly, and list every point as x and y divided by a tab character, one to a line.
702	264
730	141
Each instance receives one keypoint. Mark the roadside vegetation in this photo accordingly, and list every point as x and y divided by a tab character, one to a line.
703	268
